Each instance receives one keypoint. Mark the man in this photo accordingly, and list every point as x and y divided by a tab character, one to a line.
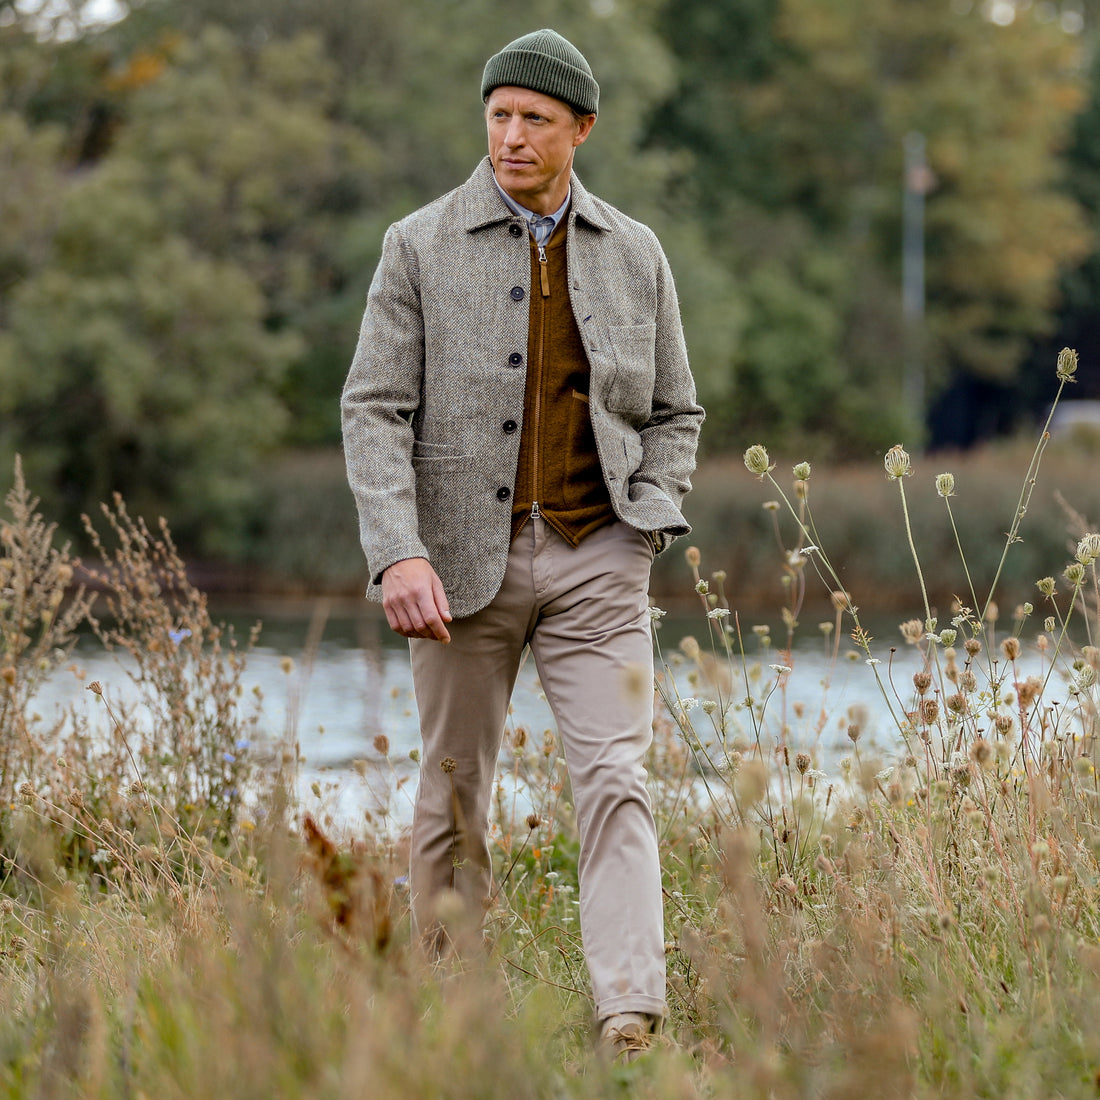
520	427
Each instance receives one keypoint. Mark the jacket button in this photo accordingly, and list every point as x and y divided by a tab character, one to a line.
515	359
509	426
514	229
503	493
517	294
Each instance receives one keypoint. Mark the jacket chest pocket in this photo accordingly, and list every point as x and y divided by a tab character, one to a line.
631	389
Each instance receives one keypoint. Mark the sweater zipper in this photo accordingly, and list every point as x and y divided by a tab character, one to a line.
544	277
536	446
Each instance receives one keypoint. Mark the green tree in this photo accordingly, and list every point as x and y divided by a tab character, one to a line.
797	146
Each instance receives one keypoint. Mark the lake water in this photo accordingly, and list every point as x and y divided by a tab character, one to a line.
335	678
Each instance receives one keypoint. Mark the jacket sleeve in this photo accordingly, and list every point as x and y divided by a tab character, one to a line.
671	434
380	398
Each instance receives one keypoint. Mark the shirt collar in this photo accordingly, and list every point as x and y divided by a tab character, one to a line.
542	226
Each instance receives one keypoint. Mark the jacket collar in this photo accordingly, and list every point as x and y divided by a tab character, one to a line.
484	206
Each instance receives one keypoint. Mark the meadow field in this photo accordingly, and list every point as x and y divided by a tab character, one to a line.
916	916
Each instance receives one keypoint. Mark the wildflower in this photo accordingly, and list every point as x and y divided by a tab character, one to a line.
948	636
95	687
972	646
448	765
1085	678
1029	690
1025	610
1003	724
1046	586
690	703
756	460
287	665
802	471
1074	573
1010	647
786	885
8	675
656	614
718	613
177	636
382	745
802	762
912	631
922	681
945	485
27	792
690	648
956	703
780	669
929	711
854	733
533	821
841	601
709	706
692	556
981	752
770	506
702	587
1088	549
1067	365
897	462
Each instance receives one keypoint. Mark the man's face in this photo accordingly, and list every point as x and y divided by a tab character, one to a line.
531	142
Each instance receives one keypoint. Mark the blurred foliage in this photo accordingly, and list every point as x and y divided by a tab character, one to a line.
192	200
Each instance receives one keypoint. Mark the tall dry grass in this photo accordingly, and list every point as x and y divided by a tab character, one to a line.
913	916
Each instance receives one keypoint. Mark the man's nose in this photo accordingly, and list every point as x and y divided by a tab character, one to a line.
514	135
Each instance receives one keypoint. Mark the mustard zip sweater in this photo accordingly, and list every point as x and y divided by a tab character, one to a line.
559	466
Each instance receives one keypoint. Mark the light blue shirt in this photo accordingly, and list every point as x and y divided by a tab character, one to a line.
542	226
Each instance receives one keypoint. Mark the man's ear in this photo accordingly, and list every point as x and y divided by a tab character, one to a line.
584	128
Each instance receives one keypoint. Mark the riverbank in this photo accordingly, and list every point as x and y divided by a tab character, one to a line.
307	544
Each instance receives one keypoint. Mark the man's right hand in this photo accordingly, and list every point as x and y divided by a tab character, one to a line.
414	601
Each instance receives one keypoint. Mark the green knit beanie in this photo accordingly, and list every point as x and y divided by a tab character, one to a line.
544	62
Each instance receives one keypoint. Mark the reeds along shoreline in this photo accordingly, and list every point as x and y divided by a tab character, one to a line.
918	918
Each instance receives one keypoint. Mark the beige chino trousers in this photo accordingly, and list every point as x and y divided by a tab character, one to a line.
584	613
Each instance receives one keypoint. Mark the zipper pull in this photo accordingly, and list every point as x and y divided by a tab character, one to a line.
544	275
535	513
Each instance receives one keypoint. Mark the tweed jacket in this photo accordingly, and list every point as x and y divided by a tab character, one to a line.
439	371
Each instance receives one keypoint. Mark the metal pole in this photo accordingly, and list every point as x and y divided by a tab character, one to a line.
917	179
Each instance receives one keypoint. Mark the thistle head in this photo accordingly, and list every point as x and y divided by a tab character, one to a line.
897	462
1067	365
756	460
945	484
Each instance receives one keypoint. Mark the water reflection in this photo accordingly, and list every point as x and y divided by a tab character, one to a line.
337	682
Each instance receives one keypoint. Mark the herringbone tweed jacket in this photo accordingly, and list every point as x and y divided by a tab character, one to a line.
440	369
